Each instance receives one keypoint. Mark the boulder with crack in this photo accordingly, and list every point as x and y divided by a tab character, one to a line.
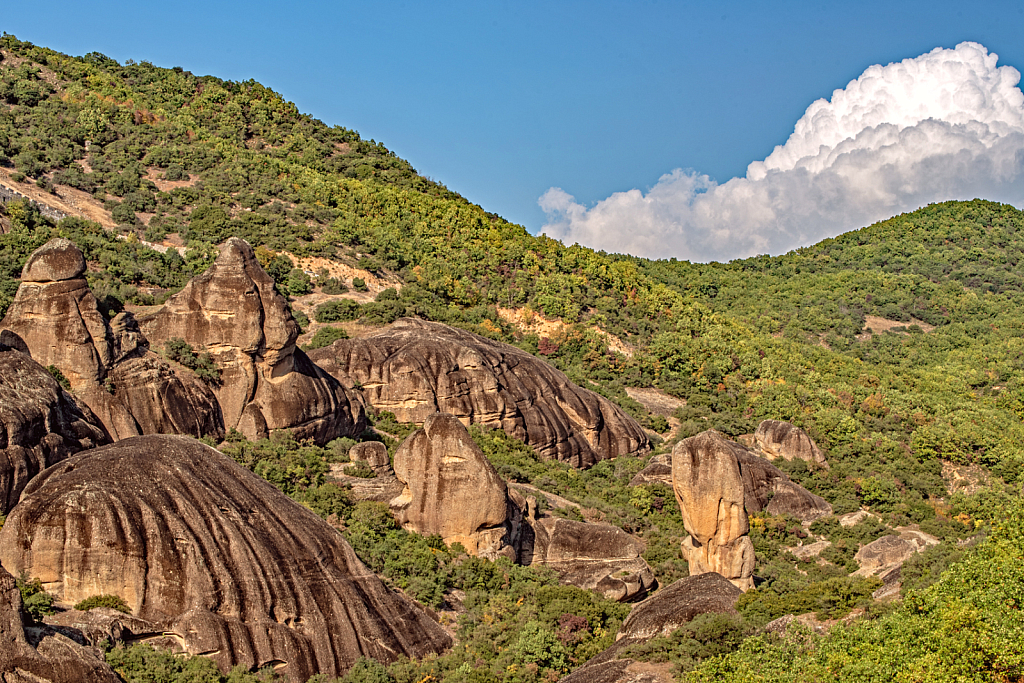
778	439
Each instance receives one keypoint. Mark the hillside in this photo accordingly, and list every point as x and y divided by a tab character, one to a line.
897	348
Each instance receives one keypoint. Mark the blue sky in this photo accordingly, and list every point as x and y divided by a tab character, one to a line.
503	101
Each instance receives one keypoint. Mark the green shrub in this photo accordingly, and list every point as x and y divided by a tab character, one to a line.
111	601
35	602
335	311
180	351
59	376
359	284
325	336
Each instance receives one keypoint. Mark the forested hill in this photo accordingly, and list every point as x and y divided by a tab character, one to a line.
899	347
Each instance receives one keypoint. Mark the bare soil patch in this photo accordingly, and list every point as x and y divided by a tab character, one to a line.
535	323
882	325
69	200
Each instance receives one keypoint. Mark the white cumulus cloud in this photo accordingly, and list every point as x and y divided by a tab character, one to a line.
946	125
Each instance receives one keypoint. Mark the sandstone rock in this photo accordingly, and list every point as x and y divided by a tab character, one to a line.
598	557
807	550
267	383
678	604
382	488
889	551
41	654
658	471
659	615
452	490
855	518
767	488
415	368
55	318
40	424
373	453
777	439
709	489
216	557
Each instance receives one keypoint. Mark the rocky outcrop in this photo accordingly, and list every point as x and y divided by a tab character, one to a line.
709	488
657	471
267	383
767	488
374	454
884	557
452	490
56	319
599	557
213	555
40	424
415	368
42	654
659	615
777	439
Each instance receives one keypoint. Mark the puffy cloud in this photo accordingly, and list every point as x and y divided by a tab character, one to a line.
946	125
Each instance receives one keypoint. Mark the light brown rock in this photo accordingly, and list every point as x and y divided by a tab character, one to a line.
414	368
452	490
373	453
598	557
212	554
267	382
767	488
40	424
657	471
777	439
41	654
55	318
709	489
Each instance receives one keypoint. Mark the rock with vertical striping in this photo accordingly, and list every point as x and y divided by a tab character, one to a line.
414	368
40	424
777	439
213	555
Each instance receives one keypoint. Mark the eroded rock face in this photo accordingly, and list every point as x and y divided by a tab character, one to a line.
451	489
415	368
373	453
267	383
55	318
212	554
709	489
777	439
599	557
47	656
40	424
767	488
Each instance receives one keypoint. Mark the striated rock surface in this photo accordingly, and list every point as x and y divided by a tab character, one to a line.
415	368
373	453
451	489
213	555
598	557
40	424
55	318
267	382
709	489
777	439
658	471
659	615
767	488
41	654
382	487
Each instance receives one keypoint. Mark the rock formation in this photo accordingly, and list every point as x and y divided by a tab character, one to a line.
42	655
213	555
452	490
267	383
884	557
374	454
40	424
776	439
659	615
709	488
599	557
415	368
767	488
55	318
658	471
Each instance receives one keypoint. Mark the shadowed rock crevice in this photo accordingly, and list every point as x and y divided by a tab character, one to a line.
414	368
206	550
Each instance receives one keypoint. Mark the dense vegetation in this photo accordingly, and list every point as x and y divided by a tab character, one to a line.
898	347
